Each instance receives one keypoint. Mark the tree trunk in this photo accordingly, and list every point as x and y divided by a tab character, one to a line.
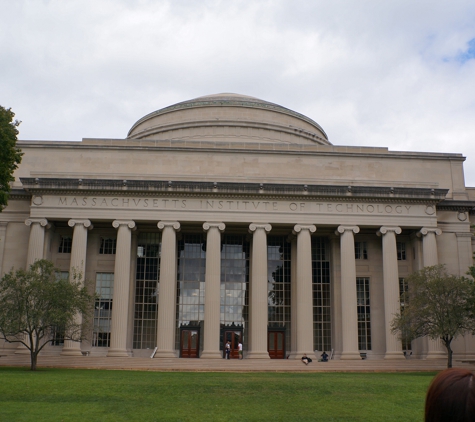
449	351
34	358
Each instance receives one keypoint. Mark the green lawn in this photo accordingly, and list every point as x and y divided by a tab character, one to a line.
96	395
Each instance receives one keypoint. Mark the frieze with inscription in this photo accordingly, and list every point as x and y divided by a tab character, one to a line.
183	204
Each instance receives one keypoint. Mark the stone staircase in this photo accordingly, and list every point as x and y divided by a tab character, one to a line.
222	365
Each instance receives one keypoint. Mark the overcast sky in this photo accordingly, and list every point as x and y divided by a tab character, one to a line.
390	73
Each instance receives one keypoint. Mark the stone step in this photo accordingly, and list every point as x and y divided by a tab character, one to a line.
233	365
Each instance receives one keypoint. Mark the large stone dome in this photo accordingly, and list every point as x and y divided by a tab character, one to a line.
229	118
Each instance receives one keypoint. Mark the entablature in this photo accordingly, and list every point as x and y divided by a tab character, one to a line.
345	193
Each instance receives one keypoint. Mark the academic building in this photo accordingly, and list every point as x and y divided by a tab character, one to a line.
229	218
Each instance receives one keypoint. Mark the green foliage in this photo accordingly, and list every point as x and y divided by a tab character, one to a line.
35	303
439	306
10	155
471	270
99	395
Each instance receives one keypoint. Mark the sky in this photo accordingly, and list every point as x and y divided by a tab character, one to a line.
397	74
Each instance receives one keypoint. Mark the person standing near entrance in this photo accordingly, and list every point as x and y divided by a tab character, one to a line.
227	349
240	350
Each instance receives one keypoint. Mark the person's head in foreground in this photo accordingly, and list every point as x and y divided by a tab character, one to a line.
451	397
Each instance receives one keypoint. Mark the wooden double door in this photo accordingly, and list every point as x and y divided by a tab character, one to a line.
190	343
276	344
234	337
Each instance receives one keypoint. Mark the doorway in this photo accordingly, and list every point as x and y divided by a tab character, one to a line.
276	344
190	343
234	337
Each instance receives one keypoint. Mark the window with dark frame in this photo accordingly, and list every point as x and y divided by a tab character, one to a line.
361	250
103	309
322	339
147	290
65	244
278	284
108	246
401	251
364	313
403	300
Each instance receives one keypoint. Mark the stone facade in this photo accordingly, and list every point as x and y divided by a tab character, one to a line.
230	218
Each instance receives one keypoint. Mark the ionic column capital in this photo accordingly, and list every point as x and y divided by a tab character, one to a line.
43	222
254	226
426	230
299	227
209	224
383	230
173	224
343	229
77	222
129	223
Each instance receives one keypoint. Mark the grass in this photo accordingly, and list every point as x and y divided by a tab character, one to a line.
98	395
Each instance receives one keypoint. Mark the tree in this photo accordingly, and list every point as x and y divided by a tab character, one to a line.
471	270
36	303
439	306
10	155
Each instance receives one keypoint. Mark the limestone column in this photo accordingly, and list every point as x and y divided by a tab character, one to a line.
435	349
429	245
49	233
335	294
293	297
464	249
348	293
212	290
391	289
120	298
167	291
258	317
35	253
77	268
304	289
37	240
131	310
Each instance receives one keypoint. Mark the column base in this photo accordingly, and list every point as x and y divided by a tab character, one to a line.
350	356
118	353
394	356
71	352
257	355
165	354
211	354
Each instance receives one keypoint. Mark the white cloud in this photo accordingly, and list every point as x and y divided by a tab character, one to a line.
370	72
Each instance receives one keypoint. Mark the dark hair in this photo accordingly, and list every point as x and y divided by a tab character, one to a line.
451	397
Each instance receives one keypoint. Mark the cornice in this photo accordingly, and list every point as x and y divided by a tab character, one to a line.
456	205
303	192
218	147
19	194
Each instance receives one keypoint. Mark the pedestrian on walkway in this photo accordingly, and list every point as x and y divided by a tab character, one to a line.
227	349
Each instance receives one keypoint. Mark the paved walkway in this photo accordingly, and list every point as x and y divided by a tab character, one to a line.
222	365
